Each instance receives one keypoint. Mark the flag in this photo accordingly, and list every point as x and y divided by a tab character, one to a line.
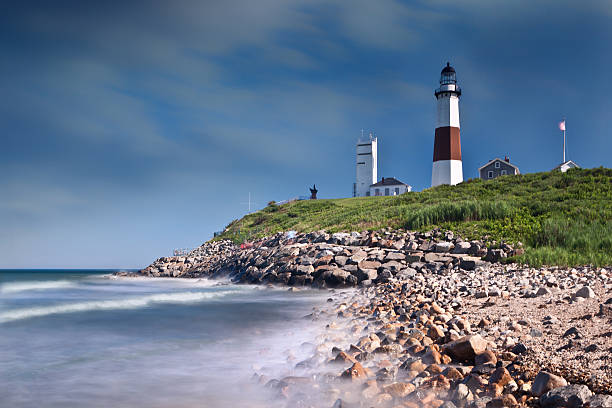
562	125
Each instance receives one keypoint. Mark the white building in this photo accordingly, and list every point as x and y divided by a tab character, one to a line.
389	186
447	165
565	166
366	166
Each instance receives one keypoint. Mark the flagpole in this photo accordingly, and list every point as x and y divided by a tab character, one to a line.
564	126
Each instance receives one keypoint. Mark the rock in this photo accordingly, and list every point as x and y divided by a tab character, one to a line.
569	396
500	376
413	365
601	401
355	373
366	274
461	392
466	348
519	348
495	255
486	356
399	389
585	292
542	291
395	256
369	264
507	400
442	247
462	248
545	382
343	357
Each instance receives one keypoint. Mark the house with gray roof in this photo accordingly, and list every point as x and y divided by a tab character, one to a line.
498	167
389	186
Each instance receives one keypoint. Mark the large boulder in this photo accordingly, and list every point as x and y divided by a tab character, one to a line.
545	382
570	396
466	348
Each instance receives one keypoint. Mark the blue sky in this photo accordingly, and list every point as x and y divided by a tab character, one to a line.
130	128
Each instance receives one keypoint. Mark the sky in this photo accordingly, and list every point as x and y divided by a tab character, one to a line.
130	128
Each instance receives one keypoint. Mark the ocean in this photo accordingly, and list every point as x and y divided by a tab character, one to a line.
82	338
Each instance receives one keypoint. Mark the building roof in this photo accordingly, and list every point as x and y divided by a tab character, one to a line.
496	159
569	163
447	68
388	181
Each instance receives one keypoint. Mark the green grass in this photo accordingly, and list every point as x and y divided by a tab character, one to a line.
562	218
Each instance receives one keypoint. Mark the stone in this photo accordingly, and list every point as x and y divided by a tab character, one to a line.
462	248
545	382
416	365
542	291
366	274
500	376
585	292
452	373
466	348
399	389
443	247
369	264
343	357
355	373
519	348
601	401
503	401
569	396
395	256
461	392
485	357
304	269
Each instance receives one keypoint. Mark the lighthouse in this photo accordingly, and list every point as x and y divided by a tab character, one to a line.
447	165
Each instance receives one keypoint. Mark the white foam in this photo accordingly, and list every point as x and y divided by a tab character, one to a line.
130	303
14	287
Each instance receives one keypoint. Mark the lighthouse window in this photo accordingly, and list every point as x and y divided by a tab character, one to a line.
497	165
490	174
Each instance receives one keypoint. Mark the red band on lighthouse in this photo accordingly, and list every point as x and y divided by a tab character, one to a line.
447	144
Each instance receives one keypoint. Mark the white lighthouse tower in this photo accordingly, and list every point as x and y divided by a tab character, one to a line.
366	165
447	165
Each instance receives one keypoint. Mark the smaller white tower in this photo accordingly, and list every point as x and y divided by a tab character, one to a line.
367	164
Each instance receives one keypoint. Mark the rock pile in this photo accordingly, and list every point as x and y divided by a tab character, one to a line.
332	260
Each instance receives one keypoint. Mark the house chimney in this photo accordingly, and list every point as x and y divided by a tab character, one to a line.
383	179
507	159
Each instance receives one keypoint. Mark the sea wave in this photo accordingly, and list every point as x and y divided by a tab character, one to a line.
15	287
129	303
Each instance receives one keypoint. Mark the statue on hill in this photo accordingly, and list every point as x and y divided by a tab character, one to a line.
313	192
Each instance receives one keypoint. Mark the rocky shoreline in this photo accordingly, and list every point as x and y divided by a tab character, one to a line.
436	321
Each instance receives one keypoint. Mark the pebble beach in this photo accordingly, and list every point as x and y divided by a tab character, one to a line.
427	320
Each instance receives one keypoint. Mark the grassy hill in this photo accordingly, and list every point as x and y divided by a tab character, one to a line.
562	218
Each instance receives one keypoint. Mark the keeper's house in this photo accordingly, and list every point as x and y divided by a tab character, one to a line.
498	167
389	187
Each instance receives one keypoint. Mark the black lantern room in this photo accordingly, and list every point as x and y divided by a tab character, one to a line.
448	82
448	75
